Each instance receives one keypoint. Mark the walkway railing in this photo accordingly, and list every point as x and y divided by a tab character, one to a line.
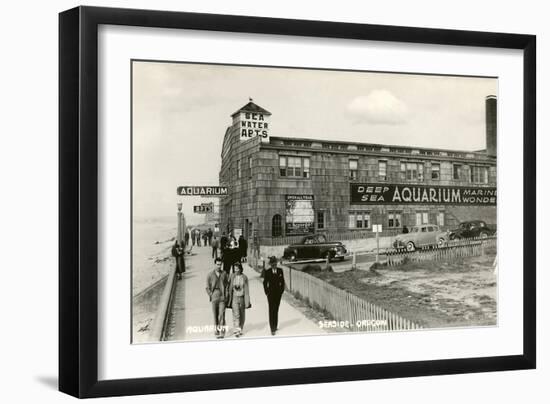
472	247
348	310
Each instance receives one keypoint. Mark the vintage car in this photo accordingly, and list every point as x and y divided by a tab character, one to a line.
420	236
472	228
315	246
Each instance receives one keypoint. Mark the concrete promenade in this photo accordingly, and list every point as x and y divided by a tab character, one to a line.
192	313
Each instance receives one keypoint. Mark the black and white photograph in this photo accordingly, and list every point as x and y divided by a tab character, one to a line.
280	201
275	202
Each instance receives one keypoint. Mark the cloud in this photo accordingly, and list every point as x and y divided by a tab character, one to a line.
379	107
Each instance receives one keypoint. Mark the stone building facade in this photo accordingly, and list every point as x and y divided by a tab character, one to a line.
280	186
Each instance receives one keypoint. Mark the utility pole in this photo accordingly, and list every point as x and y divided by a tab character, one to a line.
180	230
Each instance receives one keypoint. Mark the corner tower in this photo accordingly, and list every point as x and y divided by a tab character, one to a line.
252	121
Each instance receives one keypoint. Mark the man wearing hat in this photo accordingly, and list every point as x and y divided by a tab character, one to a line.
274	286
217	283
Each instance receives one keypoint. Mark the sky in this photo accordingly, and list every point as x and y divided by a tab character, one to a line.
181	112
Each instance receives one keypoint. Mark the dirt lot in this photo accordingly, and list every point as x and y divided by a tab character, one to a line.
433	294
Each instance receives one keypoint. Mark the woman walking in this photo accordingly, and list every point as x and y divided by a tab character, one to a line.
177	253
239	298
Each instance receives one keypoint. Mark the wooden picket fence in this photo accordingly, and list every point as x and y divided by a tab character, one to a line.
348	310
331	236
473	247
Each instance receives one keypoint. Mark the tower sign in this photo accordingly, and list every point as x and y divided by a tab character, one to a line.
252	121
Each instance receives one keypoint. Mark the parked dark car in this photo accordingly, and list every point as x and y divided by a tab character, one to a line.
472	228
315	247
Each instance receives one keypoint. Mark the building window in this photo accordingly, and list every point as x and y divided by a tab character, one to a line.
353	169
461	172
305	162
282	166
466	176
277	226
479	175
421	218
456	172
382	170
238	168
351	220
394	219
441	219
320	219
250	167
294	167
412	171
358	219
436	171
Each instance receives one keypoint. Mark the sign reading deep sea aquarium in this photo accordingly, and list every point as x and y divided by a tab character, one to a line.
402	194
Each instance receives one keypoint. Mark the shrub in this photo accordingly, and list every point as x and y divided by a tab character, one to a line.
309	268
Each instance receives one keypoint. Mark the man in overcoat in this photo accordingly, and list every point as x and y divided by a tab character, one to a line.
274	286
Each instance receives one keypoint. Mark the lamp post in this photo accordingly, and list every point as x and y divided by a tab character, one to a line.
179	236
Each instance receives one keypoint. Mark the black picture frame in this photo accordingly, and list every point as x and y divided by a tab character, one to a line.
78	193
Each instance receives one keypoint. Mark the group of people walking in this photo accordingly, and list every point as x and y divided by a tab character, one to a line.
231	251
226	285
231	290
199	238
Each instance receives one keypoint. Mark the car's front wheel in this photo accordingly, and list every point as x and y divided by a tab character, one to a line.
441	242
410	246
483	235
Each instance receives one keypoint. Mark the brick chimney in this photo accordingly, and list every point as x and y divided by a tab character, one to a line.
491	125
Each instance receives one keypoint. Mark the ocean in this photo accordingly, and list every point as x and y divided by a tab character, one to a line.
153	239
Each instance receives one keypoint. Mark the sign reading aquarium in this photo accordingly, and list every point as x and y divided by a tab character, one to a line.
299	214
402	194
197	190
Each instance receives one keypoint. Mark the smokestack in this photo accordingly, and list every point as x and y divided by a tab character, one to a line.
491	125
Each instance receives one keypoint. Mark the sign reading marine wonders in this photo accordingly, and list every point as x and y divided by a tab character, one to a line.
403	194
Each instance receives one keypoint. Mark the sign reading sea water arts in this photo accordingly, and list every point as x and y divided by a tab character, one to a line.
299	214
197	190
403	194
254	124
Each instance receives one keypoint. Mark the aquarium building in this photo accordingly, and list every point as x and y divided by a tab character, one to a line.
279	187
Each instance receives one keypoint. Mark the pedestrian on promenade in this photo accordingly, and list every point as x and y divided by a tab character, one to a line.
239	298
193	237
177	253
198	237
274	286
186	238
215	245
209	234
232	241
243	248
223	244
231	256
217	283
205	238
